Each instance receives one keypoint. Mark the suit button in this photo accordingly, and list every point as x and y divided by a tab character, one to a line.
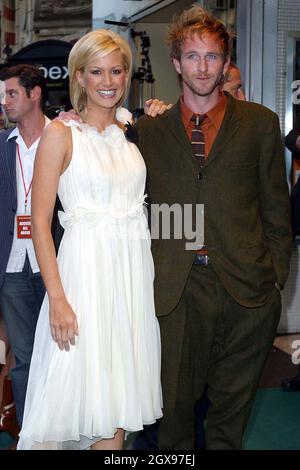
14	210
200	176
11	232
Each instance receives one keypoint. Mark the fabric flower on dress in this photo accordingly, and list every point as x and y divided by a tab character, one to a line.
113	134
123	115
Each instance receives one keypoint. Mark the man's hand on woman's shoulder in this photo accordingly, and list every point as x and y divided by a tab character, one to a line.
152	108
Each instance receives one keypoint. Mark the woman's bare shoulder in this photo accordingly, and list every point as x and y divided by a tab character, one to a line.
55	144
56	130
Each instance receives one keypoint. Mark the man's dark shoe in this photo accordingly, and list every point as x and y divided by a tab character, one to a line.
291	385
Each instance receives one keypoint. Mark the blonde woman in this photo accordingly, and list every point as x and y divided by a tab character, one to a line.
95	370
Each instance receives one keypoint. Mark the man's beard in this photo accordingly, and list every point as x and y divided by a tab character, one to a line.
218	81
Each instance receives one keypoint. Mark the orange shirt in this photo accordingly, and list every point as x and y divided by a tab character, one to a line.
210	127
212	123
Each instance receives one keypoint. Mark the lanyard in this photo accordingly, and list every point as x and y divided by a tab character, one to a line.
26	191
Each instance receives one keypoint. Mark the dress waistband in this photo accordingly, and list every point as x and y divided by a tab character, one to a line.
93	216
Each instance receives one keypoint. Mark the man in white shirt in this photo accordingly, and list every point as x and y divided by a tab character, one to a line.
21	286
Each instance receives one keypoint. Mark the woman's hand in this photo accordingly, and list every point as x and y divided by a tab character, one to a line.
63	323
153	107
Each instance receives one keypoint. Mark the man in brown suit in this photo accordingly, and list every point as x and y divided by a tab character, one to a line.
218	307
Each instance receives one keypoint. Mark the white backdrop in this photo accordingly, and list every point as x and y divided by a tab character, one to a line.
115	9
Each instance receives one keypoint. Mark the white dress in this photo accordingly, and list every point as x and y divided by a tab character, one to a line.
111	378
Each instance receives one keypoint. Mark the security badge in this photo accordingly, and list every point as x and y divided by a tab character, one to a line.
23	226
24	221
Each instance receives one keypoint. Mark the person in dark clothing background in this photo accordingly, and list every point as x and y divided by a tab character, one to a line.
292	142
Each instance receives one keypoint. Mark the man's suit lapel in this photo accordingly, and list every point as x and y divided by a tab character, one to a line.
229	127
10	157
175	125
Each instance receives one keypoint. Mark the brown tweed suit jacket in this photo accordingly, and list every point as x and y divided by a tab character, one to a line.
245	195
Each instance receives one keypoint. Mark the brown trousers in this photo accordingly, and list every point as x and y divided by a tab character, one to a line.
211	340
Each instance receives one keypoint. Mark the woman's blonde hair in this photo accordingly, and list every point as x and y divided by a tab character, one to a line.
99	42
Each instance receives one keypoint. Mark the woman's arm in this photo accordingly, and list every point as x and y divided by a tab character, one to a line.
52	158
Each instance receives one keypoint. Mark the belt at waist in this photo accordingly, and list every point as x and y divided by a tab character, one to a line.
203	251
